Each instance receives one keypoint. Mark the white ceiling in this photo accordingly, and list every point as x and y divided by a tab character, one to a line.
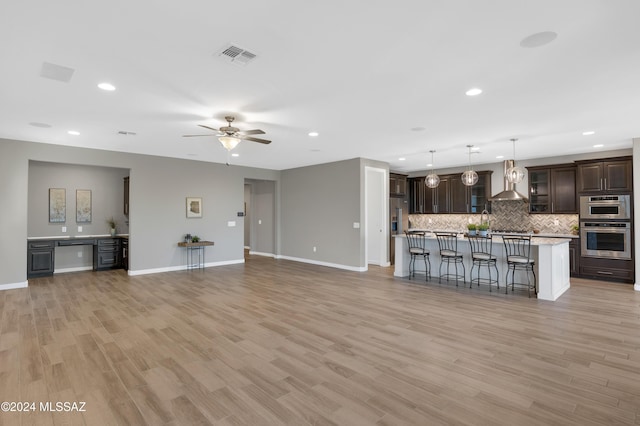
362	73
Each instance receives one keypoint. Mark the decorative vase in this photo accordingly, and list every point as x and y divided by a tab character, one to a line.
483	233
472	232
113	232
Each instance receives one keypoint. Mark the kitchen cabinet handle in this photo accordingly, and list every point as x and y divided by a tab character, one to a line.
39	245
604	273
605	184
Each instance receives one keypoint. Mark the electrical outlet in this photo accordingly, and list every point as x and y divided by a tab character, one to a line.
79	254
556	222
79	228
64	229
470	220
259	221
314	249
430	220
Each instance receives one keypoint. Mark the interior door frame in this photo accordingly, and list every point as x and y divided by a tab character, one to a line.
384	215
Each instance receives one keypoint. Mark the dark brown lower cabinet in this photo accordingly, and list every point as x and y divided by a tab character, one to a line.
574	257
607	269
40	258
106	254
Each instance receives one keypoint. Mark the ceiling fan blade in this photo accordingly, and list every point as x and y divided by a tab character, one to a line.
193	136
251	132
264	141
210	128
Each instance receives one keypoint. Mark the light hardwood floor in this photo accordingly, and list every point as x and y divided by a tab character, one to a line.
279	342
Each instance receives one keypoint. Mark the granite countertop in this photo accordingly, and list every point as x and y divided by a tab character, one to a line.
539	240
539	235
67	237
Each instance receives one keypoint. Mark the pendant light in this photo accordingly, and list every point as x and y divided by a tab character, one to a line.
515	174
469	177
432	180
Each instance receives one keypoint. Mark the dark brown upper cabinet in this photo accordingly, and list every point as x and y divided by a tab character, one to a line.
613	175
451	195
397	185
552	189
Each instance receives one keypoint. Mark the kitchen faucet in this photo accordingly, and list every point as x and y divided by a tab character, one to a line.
482	215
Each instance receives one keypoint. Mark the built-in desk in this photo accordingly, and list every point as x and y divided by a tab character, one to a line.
107	253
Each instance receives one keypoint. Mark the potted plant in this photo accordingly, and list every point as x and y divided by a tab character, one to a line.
575	229
482	229
195	239
472	229
112	225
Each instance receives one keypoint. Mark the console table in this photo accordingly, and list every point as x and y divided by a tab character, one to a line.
197	247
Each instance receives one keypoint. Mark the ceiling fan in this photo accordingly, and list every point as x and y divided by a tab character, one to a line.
230	136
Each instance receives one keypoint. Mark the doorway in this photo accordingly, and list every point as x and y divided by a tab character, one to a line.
260	217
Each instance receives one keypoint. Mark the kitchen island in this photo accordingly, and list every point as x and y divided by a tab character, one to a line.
551	257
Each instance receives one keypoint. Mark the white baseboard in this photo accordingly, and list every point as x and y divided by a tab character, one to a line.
258	253
12	286
636	286
76	269
331	265
181	267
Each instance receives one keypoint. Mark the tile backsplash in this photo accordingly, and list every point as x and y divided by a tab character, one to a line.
512	215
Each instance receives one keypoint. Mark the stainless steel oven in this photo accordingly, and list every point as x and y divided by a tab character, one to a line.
609	240
616	207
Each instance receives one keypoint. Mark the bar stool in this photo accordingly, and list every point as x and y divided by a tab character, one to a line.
448	243
481	255
417	248
518	253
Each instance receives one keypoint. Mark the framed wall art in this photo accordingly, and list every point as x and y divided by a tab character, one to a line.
57	205
83	205
194	207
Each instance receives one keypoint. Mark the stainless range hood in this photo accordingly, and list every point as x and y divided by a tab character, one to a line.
509	193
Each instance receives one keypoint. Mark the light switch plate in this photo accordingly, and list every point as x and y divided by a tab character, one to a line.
64	229
356	225
259	221
231	223
79	228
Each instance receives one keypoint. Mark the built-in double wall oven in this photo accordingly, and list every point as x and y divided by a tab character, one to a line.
605	230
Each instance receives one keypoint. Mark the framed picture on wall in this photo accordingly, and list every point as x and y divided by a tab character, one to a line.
57	205
194	207
83	205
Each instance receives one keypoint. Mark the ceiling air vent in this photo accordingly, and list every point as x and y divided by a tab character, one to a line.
125	133
237	55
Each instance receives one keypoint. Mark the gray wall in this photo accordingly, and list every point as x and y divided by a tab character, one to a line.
107	196
159	187
319	205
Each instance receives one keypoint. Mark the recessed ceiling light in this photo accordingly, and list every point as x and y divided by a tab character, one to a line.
473	92
538	39
429	165
192	155
107	86
74	132
598	145
475	148
315	150
588	133
313	134
235	155
500	156
401	159
418	129
41	125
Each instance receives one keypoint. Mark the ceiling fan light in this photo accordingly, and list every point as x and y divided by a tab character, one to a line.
229	142
469	178
432	180
515	174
